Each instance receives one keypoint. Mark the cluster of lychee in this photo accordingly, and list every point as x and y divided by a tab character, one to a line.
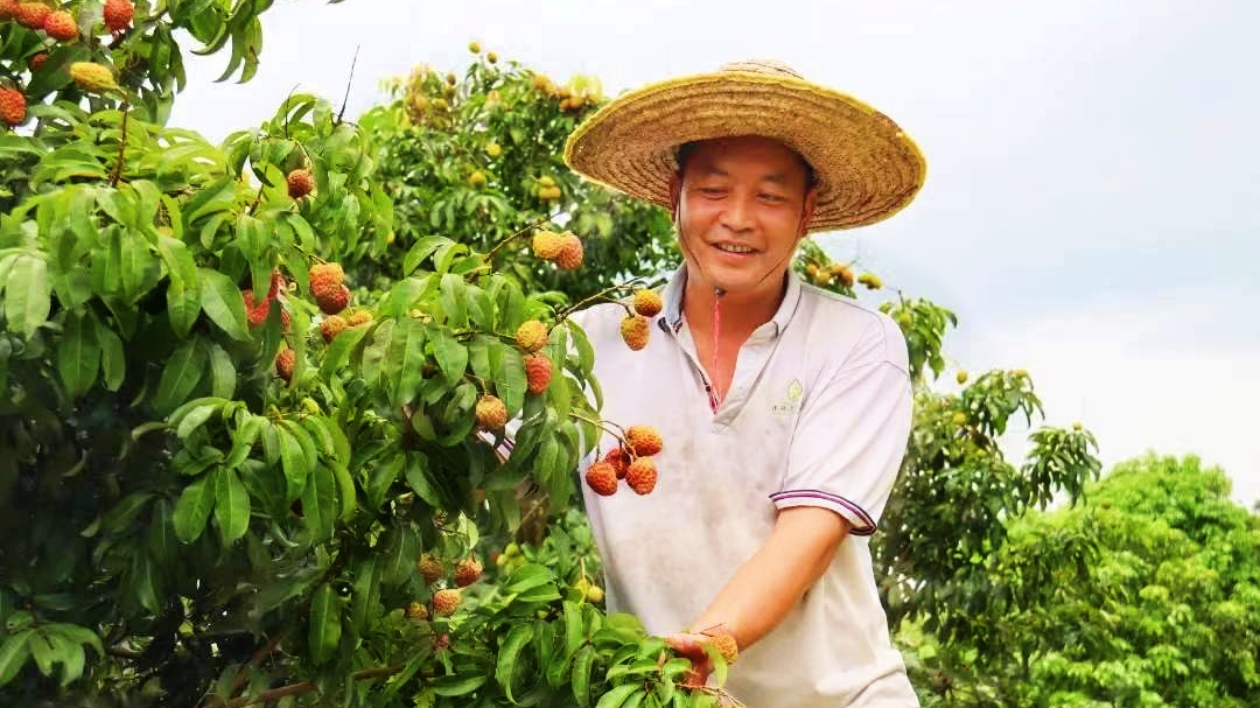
564	249
631	460
548	190
446	600
634	326
823	275
531	337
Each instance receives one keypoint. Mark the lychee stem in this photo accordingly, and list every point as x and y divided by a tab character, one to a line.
603	294
514	236
603	425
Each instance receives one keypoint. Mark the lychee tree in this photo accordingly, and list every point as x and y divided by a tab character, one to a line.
226	477
475	156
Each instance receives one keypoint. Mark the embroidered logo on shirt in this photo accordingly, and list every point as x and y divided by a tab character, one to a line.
791	402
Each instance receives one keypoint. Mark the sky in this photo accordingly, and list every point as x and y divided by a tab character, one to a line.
1093	168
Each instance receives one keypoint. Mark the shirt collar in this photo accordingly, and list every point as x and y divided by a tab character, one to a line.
672	316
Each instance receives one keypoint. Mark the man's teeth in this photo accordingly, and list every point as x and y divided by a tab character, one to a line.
733	248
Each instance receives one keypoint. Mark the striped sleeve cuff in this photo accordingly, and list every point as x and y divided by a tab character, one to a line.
861	522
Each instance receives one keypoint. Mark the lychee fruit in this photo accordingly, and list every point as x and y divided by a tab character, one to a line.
325	278
118	14
547	245
467	572
417	610
60	25
492	57
334	303
477	180
358	318
8	10
871	281
619	459
430	569
644	440
642	475
726	646
961	378
332	327
38	60
537	373
494	150
12	106
286	360
843	273
32	15
300	183
570	255
447	601
93	77
474	47
602	478
634	331
491	413
256	312
648	302
531	336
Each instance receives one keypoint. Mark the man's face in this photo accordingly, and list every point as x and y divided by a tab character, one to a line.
742	205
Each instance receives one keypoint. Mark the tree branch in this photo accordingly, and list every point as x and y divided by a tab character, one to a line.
298	689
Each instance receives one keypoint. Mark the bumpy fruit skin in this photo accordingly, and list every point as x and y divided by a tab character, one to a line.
333	326
417	610
491	413
634	331
38	60
648	303
644	440
619	459
642	475
531	336
358	318
570	255
300	183
8	10
335	303
430	569
547	245
118	14
726	646
446	602
12	106
537	373
92	77
32	15
285	361
325	278
602	478
60	26
467	572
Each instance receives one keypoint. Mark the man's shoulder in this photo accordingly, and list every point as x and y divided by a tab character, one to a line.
873	334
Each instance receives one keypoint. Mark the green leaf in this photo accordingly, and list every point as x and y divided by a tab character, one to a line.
296	467
27	295
194	419
144	581
509	376
223	303
222	373
581	681
183	305
366	582
405	360
13	655
574	633
618	695
325	624
335	354
458	685
193	509
78	354
181	375
517	638
113	360
454	301
452	357
319	503
231	507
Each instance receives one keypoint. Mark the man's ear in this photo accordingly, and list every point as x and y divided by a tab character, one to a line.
675	194
807	212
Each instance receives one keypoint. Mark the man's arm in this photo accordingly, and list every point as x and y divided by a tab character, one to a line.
768	585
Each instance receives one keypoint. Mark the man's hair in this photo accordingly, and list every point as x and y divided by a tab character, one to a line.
686	149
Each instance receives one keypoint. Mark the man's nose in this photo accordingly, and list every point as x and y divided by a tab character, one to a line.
738	213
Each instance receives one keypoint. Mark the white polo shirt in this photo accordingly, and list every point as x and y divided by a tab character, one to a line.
819	413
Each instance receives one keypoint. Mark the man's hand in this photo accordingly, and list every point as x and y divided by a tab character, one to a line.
690	645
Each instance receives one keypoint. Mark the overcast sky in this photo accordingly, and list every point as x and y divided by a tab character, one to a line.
1091	206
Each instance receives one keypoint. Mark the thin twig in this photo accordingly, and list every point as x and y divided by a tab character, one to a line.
509	239
349	81
122	147
298	689
628	285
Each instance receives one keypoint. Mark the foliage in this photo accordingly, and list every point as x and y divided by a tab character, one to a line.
478	157
1147	594
211	495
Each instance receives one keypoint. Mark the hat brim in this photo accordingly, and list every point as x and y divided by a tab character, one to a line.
868	168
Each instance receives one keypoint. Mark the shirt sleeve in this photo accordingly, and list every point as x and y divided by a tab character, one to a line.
851	436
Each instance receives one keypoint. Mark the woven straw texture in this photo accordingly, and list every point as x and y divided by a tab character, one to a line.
868	168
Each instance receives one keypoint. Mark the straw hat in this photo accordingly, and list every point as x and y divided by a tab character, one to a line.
868	169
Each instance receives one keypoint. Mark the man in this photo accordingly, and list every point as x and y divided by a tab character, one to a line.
784	409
